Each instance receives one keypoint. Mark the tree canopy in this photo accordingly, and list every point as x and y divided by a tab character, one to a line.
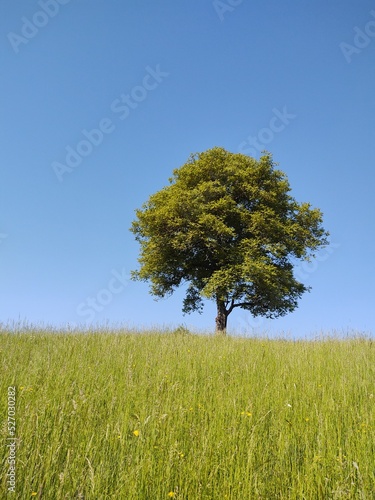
227	226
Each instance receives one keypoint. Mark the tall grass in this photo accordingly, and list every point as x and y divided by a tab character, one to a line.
158	416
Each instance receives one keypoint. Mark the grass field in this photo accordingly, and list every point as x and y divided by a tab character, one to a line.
172	415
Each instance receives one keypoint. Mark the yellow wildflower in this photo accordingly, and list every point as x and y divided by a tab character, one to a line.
136	433
171	494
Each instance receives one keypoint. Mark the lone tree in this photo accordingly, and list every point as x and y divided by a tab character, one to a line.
227	225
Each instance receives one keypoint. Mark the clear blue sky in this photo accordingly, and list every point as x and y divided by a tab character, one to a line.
163	80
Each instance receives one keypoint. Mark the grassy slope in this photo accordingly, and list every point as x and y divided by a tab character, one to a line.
143	416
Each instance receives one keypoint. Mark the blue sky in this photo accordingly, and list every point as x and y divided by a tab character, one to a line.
102	99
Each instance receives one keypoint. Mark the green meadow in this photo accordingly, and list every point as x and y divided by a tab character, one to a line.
159	415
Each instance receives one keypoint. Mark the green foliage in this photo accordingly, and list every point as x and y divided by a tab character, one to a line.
228	226
138	416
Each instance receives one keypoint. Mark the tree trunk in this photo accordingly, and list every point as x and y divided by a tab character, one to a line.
221	318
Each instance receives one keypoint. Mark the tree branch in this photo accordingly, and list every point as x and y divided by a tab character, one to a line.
231	307
241	304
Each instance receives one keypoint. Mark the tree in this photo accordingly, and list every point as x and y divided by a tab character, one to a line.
227	226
